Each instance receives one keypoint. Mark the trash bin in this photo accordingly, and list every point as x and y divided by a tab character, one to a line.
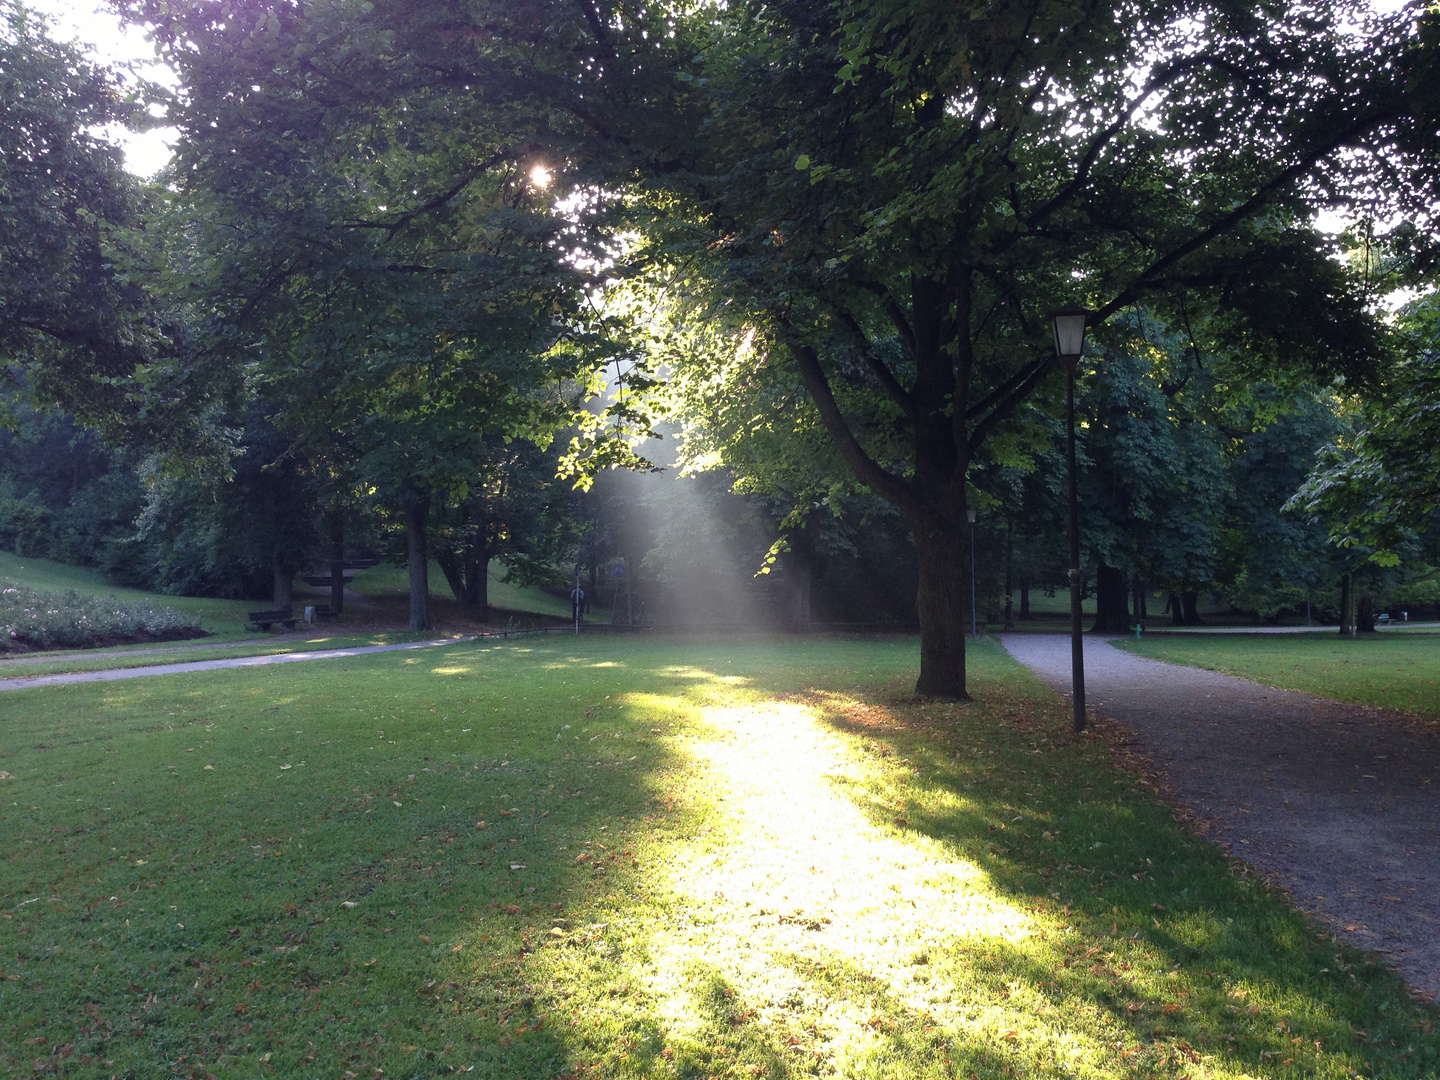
309	613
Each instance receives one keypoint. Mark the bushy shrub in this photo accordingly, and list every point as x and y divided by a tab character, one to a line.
33	619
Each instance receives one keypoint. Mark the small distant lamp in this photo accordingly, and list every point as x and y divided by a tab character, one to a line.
1069	327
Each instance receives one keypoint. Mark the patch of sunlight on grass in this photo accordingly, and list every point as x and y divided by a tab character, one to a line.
607	663
803	878
452	670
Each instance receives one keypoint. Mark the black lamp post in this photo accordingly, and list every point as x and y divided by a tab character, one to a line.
1069	327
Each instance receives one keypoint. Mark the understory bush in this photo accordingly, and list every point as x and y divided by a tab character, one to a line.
33	619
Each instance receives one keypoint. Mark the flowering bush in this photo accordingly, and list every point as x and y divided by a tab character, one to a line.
31	619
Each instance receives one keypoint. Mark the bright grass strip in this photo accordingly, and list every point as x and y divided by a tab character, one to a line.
1392	669
635	858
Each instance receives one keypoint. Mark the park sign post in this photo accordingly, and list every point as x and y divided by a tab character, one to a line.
1069	326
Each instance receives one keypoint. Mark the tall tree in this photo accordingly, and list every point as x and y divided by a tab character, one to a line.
892	196
74	326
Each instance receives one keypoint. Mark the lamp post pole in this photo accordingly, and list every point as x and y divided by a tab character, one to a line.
1069	327
974	619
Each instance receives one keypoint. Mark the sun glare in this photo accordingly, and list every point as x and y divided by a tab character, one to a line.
541	176
809	878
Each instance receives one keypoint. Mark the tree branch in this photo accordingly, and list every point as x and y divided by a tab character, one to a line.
886	377
1007	405
866	469
1147	278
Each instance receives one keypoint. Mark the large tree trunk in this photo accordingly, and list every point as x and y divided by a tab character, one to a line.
800	580
943	605
450	565
1191	604
477	564
1025	615
337	561
284	575
1112	608
1009	577
1345	604
477	581
417	520
1365	615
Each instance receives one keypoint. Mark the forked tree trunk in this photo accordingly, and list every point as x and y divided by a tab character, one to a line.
417	520
1191	604
943	605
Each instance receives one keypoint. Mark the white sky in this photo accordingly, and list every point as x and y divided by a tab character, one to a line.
103	37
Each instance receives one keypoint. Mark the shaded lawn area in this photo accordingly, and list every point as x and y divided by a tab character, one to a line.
1392	670
632	857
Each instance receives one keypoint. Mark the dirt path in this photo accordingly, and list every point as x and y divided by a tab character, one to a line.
1340	803
211	665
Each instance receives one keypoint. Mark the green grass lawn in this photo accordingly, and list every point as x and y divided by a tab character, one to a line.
384	580
635	858
1393	669
222	618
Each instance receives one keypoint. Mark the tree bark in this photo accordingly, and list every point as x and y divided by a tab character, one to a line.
1025	615
1009	577
337	561
417	520
1365	615
1345	603
1190	603
1112	608
800	577
943	604
284	580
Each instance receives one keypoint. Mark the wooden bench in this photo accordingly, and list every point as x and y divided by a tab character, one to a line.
263	620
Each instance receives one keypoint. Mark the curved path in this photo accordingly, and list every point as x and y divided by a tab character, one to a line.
1340	803
111	674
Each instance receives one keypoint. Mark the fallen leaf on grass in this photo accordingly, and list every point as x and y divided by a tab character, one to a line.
1011	1036
209	768
284	767
348	903
425	939
517	866
481	825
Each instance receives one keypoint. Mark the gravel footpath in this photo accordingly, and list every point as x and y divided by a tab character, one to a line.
112	674
1339	803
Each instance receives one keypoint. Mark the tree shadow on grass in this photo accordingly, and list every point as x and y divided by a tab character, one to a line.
1157	943
687	869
